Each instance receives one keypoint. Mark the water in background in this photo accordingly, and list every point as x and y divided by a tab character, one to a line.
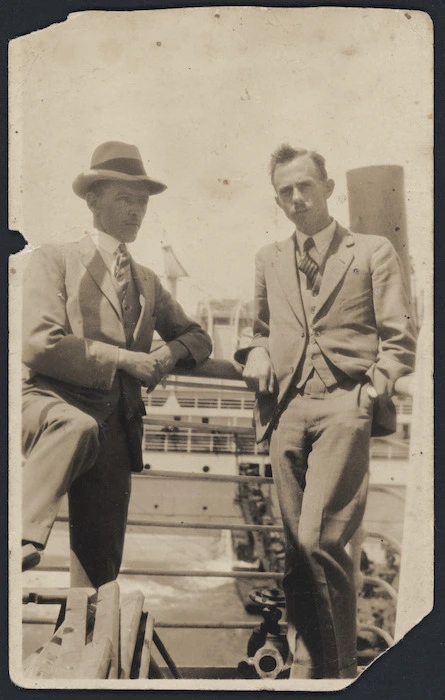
172	599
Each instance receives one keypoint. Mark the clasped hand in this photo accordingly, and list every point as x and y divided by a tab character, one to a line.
258	372
149	367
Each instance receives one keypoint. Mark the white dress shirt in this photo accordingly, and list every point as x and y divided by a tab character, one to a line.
107	246
322	241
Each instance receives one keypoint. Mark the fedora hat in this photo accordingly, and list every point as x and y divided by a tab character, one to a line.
115	161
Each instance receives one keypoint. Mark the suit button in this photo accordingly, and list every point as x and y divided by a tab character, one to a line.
317	333
313	309
314	293
313	341
291	370
302	334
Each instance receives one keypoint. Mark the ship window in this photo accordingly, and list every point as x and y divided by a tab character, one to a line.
231	403
186	401
156	400
207	402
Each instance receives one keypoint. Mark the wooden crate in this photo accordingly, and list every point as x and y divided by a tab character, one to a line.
100	635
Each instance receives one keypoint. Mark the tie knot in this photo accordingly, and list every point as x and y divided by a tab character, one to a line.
308	244
121	250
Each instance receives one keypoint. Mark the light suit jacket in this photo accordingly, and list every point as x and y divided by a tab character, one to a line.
72	329
362	323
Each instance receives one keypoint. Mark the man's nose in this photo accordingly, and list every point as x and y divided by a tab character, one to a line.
296	195
137	208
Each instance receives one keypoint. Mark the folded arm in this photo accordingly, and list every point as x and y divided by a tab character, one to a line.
50	347
186	342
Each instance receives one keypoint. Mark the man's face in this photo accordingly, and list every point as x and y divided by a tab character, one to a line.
120	209
302	194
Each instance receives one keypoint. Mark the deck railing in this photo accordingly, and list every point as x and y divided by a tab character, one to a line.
188	440
225	370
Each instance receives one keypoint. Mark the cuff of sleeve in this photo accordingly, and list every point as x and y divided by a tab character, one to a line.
242	354
107	362
197	349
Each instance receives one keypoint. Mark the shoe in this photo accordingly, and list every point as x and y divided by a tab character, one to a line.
30	556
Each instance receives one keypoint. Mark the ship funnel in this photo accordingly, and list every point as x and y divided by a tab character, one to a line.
377	206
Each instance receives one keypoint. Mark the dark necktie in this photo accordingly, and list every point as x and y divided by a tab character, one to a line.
307	264
122	269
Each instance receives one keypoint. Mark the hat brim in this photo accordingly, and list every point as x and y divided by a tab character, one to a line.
83	182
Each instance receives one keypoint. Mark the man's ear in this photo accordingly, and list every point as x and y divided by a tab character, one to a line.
329	187
278	202
91	199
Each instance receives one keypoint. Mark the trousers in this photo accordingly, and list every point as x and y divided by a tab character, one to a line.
67	452
320	463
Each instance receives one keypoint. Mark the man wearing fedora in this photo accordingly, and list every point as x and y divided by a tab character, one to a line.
332	334
89	313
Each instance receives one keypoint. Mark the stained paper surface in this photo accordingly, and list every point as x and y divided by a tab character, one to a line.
207	94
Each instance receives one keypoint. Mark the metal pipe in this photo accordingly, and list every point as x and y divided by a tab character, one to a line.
215	369
193	525
380	583
377	630
381	536
47	596
196	476
200	427
165	655
209	526
134	571
203	385
235	478
226	369
230	625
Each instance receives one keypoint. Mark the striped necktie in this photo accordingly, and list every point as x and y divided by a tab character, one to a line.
307	264
122	268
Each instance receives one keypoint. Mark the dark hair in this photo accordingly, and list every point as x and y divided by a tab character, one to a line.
286	153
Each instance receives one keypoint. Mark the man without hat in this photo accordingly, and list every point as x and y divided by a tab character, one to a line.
89	313
332	334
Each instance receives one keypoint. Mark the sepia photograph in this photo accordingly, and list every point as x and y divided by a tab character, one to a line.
221	347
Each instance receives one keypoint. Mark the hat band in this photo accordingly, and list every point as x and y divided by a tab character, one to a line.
127	166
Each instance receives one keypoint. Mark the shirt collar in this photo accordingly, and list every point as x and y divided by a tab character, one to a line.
105	241
322	239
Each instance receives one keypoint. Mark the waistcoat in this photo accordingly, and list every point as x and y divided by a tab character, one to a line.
313	359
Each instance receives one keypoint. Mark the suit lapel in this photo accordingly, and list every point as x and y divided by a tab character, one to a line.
286	269
145	286
95	265
337	263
